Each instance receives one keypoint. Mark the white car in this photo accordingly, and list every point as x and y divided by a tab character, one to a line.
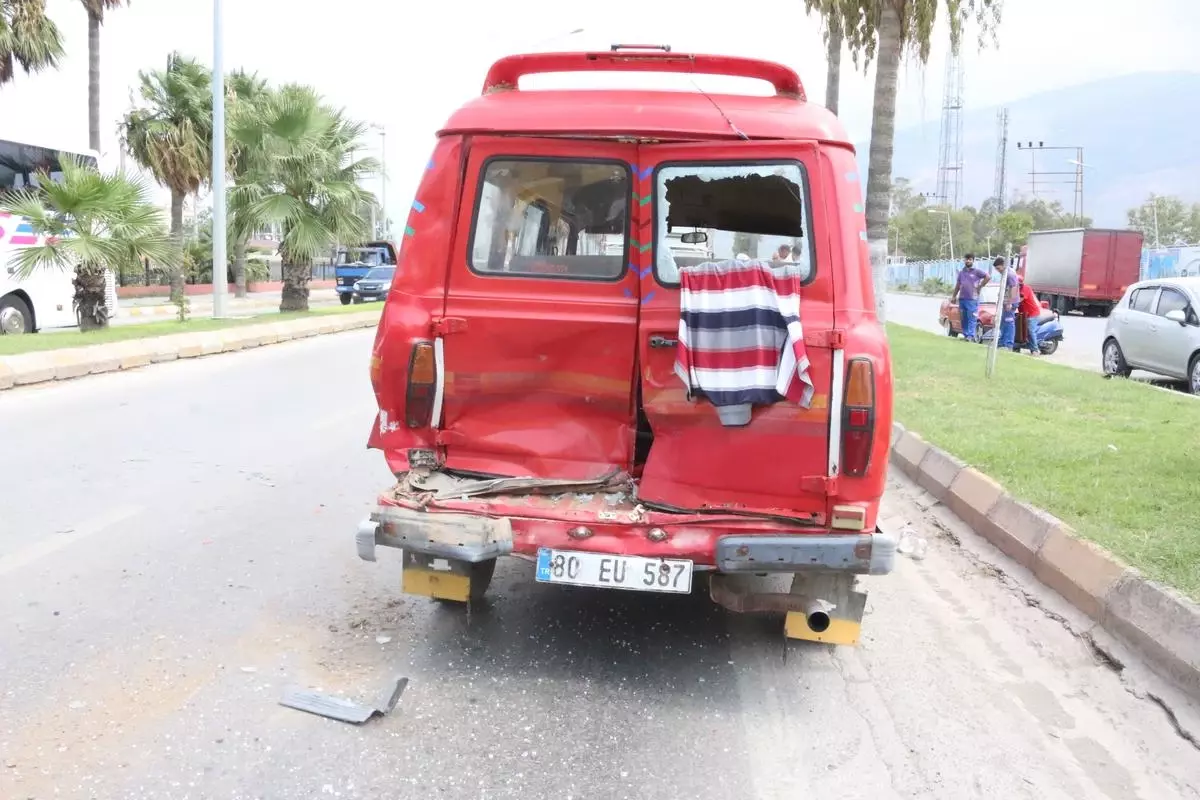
1156	328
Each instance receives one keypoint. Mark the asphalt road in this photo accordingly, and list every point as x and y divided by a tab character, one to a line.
1080	346
176	547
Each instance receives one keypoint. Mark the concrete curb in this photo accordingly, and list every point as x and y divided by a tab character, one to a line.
75	362
1157	621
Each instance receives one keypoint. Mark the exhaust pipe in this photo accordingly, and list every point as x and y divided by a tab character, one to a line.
816	614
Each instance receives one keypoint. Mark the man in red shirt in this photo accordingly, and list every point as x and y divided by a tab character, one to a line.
1032	309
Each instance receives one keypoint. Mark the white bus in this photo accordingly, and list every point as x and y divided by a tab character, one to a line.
44	299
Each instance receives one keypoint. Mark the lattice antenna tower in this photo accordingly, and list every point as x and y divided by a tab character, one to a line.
1000	190
950	143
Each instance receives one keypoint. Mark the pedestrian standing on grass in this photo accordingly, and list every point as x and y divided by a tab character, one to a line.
1032	309
966	293
1006	303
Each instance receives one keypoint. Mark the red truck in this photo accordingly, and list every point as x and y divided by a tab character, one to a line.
1083	269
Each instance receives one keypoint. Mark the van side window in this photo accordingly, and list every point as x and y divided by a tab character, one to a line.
710	212
1143	299
543	218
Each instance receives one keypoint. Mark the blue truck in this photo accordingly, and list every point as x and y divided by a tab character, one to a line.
351	264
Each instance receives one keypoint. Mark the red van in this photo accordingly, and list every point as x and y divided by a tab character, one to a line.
633	339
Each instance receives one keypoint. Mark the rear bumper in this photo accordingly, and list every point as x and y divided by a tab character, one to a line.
344	289
473	539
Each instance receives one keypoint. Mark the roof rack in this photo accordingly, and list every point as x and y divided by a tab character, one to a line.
506	73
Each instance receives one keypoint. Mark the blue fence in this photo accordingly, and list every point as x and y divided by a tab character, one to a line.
1160	262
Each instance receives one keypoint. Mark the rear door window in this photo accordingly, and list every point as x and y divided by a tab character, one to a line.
552	218
737	211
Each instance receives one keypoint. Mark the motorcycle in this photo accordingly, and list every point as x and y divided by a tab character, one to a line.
1050	331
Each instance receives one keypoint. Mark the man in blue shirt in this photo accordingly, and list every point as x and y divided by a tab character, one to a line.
966	293
1007	304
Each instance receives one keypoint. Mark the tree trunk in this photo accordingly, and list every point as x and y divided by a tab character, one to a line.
94	82
833	60
89	298
295	286
883	134
239	268
177	277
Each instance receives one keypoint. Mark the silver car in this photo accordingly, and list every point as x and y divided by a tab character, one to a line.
1156	328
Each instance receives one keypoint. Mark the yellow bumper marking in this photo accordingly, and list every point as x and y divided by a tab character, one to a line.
439	585
840	631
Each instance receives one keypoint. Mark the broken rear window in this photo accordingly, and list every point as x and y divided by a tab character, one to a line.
551	218
710	212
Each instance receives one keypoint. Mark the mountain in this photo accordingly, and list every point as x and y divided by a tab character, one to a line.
1139	134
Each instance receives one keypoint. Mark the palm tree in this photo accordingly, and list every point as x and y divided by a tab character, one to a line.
95	11
92	223
171	135
302	174
832	20
28	38
247	93
885	30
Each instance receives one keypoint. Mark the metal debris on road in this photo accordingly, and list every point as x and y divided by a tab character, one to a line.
324	705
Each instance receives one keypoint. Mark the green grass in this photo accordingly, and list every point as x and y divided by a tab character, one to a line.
1117	460
13	345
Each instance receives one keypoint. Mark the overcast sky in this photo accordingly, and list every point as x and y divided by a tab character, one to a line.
385	65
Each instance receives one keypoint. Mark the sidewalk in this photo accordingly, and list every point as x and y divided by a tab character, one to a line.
145	309
130	349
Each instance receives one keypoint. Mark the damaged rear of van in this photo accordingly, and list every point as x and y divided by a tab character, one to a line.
632	338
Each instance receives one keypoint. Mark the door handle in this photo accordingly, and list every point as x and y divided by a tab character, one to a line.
663	341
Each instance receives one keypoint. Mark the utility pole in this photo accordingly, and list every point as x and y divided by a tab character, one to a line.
1000	188
1076	174
950	141
220	276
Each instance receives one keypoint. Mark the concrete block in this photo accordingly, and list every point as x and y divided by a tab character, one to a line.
1079	570
31	368
233	340
1163	624
6	375
909	451
133	354
972	495
211	342
897	432
1019	530
253	337
104	358
937	472
70	363
190	345
166	348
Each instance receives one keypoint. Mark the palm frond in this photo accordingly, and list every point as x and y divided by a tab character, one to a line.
28	38
90	220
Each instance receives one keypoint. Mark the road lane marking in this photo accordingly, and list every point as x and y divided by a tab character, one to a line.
55	542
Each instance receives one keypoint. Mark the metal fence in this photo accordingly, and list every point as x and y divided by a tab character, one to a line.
1157	262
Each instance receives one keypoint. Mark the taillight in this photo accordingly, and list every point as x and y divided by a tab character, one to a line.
858	418
422	386
376	372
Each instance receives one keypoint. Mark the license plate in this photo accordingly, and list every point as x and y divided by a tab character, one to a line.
633	573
